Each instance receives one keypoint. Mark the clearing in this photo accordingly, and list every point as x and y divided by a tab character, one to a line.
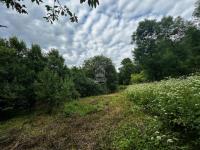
99	122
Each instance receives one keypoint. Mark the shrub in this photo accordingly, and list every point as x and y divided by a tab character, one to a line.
138	78
175	101
68	90
84	85
53	90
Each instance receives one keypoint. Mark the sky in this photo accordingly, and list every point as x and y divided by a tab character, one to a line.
105	30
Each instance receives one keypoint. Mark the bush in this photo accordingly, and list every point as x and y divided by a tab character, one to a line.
53	90
138	78
68	90
86	86
175	101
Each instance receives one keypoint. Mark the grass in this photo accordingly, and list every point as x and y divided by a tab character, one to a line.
83	107
99	122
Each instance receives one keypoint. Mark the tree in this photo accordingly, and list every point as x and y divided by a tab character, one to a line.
14	75
53	11
126	70
47	88
55	62
197	9
84	85
165	48
36	60
68	90
93	63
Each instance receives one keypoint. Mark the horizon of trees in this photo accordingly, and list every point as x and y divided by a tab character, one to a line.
29	77
166	48
170	47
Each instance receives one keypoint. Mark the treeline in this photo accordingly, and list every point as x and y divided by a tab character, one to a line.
30	78
166	48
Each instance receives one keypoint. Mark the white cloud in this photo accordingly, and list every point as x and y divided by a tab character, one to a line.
105	30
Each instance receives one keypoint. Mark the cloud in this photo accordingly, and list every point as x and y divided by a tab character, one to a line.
105	30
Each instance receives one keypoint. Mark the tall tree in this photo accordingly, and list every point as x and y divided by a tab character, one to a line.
55	62
84	85
197	9
160	50
93	63
126	70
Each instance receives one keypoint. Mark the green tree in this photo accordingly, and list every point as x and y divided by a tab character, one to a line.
93	63
84	85
55	62
197	9
126	70
68	90
36	60
14	74
47	88
159	52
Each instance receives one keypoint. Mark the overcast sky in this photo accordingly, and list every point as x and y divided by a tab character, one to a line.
105	30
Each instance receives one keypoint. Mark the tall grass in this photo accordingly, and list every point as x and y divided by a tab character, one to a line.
175	101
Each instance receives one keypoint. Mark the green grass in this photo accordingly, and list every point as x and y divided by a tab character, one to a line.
76	108
99	122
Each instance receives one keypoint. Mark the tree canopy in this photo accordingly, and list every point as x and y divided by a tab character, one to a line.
30	78
125	71
197	9
169	47
93	63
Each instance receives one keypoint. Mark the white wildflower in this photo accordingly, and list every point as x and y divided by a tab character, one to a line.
169	141
158	137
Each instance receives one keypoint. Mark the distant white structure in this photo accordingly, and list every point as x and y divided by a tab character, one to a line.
100	74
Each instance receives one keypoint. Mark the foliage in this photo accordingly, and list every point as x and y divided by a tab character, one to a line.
128	136
53	11
110	72
126	70
197	9
84	85
68	90
138	77
169	47
16	77
47	87
174	101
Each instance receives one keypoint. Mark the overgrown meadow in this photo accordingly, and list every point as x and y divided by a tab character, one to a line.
176	102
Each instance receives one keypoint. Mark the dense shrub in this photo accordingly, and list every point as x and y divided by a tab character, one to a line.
175	101
84	85
53	90
138	78
101	61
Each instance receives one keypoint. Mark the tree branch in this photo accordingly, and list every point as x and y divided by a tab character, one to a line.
2	26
